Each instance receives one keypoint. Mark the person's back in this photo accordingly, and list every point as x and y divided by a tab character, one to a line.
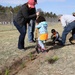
23	15
42	27
66	19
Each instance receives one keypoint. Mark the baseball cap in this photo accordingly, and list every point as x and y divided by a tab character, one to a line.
32	3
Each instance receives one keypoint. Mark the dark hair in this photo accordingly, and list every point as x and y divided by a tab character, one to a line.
74	14
53	30
35	1
40	19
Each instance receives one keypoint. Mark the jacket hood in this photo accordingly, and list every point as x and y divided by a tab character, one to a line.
44	23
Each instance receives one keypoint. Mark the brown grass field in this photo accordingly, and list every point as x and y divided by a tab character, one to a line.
9	54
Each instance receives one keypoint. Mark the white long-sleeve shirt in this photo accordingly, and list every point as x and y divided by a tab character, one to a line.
66	19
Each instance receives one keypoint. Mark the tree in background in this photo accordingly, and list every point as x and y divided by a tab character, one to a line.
8	13
16	9
2	9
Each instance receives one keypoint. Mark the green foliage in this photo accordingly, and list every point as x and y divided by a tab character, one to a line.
7	72
2	9
23	65
31	55
55	58
16	9
52	59
50	14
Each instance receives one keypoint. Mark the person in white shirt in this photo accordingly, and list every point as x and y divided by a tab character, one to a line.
68	23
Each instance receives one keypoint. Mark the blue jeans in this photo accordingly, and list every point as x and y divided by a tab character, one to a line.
31	28
67	29
22	31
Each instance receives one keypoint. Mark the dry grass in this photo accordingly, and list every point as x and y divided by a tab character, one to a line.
6	27
8	45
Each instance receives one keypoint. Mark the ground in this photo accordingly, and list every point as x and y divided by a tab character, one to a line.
19	62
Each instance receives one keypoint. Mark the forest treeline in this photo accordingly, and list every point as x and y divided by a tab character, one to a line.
14	10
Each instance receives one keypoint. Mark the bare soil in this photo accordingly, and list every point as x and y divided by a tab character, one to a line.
65	65
19	62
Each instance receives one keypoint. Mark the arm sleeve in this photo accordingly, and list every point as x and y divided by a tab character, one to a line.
63	22
56	37
38	26
25	13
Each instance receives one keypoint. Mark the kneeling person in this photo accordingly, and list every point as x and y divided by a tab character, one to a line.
55	36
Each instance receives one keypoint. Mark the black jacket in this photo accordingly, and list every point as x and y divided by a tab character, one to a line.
25	14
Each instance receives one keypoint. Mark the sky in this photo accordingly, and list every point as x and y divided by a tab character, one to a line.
55	6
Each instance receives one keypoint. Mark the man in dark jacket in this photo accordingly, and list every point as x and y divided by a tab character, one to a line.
22	18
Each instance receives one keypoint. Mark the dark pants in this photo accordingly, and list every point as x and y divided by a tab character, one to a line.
22	31
72	37
73	33
57	39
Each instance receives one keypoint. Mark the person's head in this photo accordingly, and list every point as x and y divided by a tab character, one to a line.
53	31
59	17
32	3
40	19
74	14
40	11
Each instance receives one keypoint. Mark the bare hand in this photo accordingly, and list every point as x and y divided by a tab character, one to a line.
37	13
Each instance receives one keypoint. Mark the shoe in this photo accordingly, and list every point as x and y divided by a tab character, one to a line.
43	50
38	48
62	44
21	48
71	40
32	41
